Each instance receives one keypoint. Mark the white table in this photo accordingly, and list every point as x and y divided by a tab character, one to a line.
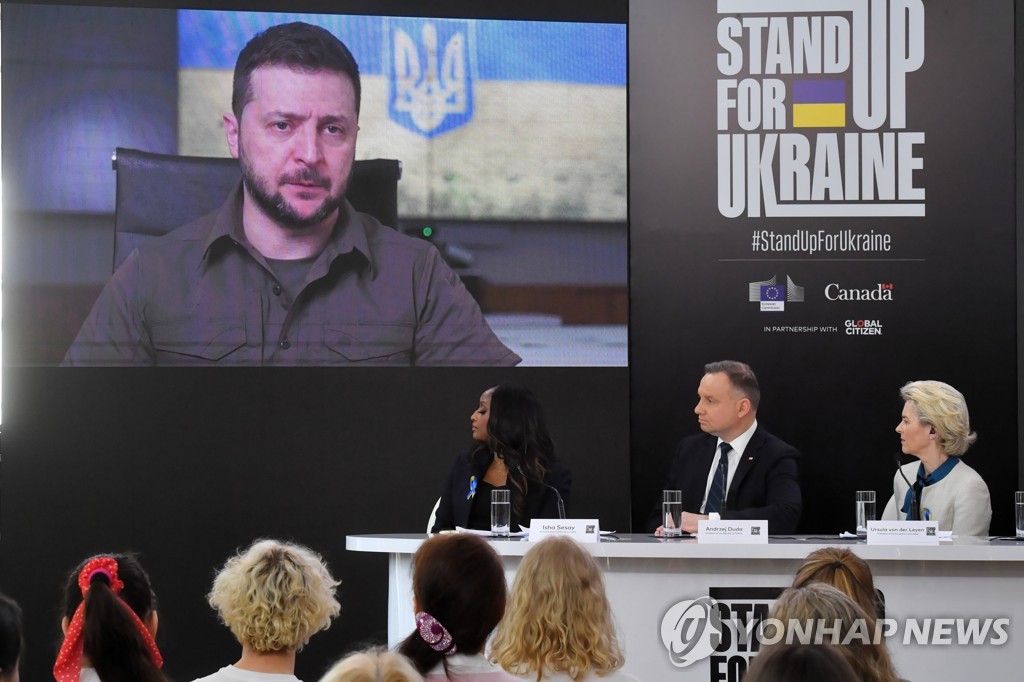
646	576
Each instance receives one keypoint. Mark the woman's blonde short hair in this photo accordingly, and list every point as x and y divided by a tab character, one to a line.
826	610
943	407
558	618
373	665
274	596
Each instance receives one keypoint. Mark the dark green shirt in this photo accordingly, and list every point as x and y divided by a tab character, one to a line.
203	295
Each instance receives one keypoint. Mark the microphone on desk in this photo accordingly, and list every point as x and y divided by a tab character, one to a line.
915	499
558	495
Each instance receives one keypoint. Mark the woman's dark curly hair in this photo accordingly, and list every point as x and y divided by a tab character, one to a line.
519	435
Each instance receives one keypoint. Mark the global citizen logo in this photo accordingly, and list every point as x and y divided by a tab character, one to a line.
695	629
863	328
773	296
880	292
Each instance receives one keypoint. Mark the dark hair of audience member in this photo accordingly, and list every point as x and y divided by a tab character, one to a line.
10	638
801	663
111	640
519	434
845	571
460	581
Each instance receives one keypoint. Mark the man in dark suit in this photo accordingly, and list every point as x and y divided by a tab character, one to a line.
759	476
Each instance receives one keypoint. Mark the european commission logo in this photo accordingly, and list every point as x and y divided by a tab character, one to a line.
430	74
773	296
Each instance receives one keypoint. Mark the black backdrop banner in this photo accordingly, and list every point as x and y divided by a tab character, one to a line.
185	467
826	191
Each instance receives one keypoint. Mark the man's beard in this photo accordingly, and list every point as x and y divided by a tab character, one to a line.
277	208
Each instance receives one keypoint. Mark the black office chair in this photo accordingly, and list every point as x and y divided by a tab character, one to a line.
159	192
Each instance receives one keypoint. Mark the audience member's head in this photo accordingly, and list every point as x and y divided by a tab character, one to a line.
558	618
10	639
373	665
824	615
109	622
801	663
844	570
458	585
274	596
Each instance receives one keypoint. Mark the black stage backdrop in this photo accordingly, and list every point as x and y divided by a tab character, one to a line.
186	466
935	261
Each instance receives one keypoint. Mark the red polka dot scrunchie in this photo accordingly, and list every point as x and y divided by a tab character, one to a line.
69	661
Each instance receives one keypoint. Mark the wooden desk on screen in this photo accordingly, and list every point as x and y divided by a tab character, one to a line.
645	576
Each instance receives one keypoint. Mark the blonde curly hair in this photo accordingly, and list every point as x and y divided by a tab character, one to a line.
274	596
945	408
558	618
373	665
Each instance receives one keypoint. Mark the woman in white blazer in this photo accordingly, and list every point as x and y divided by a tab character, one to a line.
936	429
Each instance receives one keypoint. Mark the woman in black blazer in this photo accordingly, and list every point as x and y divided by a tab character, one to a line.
512	450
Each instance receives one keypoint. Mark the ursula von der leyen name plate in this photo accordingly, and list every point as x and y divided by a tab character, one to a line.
733	532
903	533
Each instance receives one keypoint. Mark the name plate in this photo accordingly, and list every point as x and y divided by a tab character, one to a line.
733	532
581	530
903	533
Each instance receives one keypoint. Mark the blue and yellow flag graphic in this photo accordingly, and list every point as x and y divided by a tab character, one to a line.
819	104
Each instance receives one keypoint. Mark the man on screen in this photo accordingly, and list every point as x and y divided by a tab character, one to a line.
286	272
759	477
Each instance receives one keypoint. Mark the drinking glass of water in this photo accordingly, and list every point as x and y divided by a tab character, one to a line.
672	513
501	512
865	510
1019	512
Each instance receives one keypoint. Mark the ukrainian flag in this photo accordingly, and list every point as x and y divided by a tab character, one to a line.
819	104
